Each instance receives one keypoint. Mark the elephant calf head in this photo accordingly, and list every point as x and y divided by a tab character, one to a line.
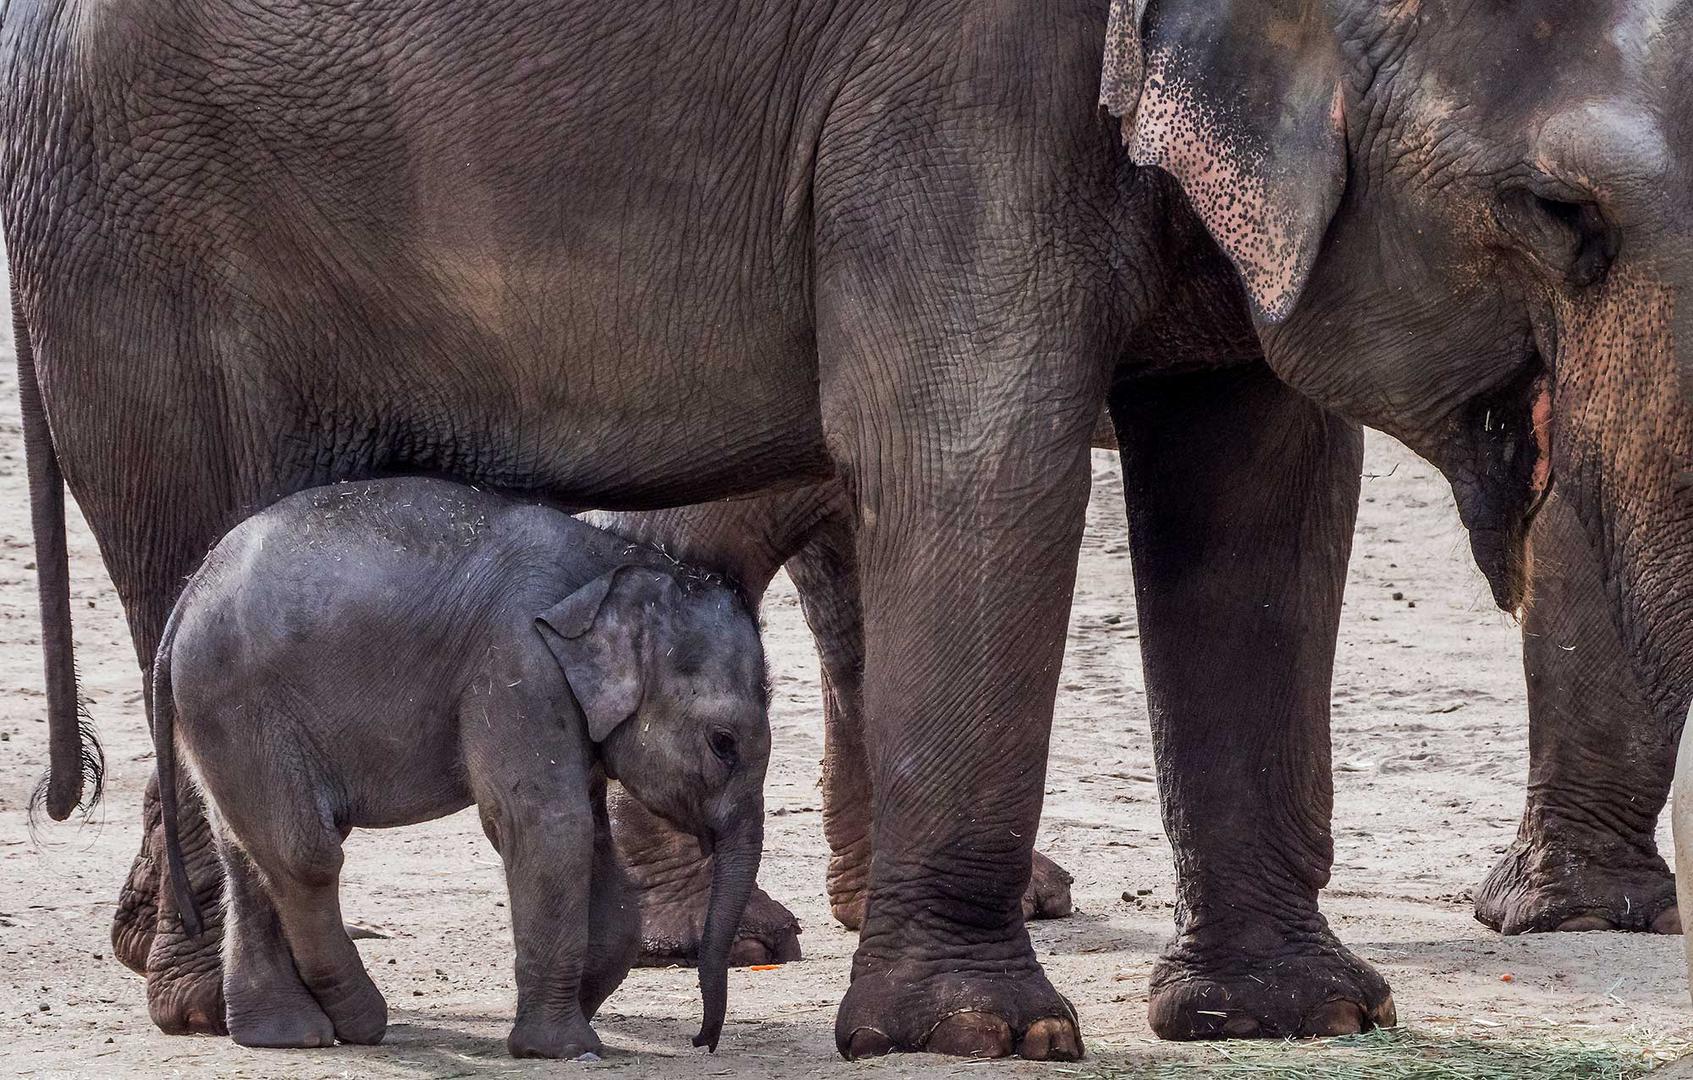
669	672
1469	225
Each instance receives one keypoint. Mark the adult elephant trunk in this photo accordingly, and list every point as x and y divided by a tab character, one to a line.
734	873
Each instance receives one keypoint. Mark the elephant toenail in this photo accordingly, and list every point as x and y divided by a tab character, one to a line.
1241	1027
971	1034
1668	921
1583	923
1385	1015
1051	1039
867	1042
1334	1018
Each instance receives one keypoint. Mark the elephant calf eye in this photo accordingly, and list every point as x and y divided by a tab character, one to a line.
723	745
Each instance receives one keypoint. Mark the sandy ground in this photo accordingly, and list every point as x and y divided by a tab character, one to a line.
1430	752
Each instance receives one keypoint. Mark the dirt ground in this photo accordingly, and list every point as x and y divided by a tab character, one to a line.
1430	754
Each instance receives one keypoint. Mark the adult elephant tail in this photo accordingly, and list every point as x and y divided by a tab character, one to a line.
75	763
164	754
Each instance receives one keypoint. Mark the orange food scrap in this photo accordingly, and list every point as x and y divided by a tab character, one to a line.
763	967
1507	977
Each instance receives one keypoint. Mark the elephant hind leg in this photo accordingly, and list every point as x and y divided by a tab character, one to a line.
184	974
269	1004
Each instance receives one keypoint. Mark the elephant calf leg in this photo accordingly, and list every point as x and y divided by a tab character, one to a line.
672	877
269	1004
1600	762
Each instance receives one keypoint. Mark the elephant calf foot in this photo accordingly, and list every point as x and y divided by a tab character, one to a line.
1307	984
1552	884
538	1039
281	1024
937	1008
1047	897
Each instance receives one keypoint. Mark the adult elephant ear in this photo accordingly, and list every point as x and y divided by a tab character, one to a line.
1240	101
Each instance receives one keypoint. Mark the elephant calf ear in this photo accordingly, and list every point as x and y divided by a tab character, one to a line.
595	635
1240	101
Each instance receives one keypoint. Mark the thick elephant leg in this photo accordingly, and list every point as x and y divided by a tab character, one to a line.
185	988
1600	761
135	922
825	572
961	426
1241	499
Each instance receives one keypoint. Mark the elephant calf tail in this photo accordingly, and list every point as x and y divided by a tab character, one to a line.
164	753
74	760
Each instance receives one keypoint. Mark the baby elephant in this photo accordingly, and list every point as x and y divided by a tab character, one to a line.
376	654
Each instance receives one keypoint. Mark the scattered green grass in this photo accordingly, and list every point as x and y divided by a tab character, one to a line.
1423	1054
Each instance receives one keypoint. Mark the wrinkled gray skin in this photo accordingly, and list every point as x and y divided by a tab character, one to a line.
377	654
634	256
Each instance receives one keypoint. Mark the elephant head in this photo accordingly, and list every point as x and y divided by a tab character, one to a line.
668	670
1469	225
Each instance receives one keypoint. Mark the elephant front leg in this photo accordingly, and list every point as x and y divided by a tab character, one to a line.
1600	761
970	492
825	573
1241	498
672	879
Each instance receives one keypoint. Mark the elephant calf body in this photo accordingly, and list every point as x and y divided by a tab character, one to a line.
377	654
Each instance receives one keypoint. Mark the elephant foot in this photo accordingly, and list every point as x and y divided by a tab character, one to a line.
1047	897
530	1039
1548	885
137	918
1312	986
1048	894
673	921
674	896
672	878
292	1025
185	990
938	1009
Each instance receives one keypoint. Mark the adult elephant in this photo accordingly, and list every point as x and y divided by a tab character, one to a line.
258	250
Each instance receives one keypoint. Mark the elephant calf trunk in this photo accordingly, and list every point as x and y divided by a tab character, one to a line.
734	873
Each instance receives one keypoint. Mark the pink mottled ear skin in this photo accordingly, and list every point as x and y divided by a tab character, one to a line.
1252	207
1120	82
1261	160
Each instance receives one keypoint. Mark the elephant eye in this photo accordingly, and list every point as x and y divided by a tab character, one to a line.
724	746
1568	236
